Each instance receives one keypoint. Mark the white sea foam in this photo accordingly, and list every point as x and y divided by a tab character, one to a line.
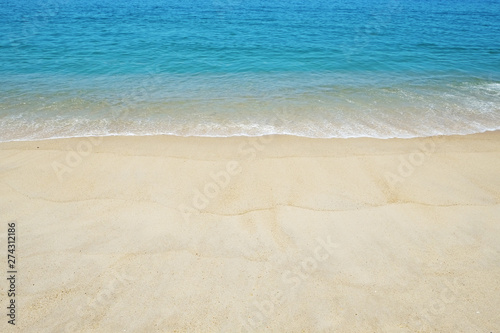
30	130
400	111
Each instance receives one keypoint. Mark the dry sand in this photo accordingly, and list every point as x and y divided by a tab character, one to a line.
278	234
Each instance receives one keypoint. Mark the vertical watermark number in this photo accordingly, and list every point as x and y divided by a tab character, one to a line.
11	272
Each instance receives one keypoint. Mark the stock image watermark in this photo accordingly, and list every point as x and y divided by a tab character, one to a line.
436	307
98	304
74	157
220	179
410	162
263	310
76	154
364	33
11	272
46	11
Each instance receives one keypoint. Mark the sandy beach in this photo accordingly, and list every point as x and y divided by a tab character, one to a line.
270	234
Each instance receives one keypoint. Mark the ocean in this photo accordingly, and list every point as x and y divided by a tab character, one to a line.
218	68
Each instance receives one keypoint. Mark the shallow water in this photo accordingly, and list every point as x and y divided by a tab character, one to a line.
223	68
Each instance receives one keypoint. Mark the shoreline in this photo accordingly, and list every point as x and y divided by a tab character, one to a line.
255	233
249	136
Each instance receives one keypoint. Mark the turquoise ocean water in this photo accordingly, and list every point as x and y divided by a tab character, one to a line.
358	68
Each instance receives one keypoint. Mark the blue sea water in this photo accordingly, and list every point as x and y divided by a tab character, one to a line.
316	68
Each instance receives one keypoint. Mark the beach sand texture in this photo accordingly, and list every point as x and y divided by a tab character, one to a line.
275	234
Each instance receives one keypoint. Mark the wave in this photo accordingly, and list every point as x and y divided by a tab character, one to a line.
402	110
33	130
